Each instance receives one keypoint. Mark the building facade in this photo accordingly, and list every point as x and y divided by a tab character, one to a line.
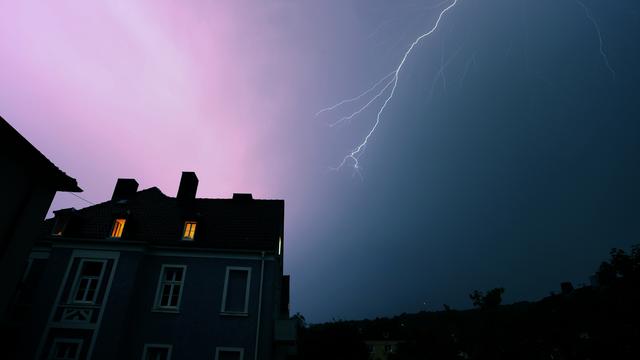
148	276
28	184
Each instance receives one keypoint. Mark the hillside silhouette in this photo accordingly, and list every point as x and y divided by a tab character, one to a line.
600	321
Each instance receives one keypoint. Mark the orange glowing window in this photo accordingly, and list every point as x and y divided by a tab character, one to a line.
118	227
189	230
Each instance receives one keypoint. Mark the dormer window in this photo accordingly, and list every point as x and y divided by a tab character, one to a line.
118	227
189	232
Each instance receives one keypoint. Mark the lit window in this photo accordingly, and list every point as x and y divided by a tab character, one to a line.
87	283
65	349
189	230
118	227
170	287
226	353
156	352
235	298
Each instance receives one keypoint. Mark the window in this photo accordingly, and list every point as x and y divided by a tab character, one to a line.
235	298
170	287
189	231
227	353
87	283
156	352
118	226
65	349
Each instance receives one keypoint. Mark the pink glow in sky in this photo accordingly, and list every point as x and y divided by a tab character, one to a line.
147	89
113	89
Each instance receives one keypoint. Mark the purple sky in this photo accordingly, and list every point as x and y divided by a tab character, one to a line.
147	89
508	156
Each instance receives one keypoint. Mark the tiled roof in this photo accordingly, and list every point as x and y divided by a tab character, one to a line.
158	219
33	160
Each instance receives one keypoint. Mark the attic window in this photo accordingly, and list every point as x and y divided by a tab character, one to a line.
59	226
189	230
118	227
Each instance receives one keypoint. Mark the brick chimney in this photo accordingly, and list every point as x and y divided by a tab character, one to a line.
188	186
125	189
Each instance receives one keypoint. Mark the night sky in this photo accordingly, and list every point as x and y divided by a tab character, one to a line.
508	156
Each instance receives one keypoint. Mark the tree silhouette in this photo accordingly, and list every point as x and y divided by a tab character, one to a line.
492	299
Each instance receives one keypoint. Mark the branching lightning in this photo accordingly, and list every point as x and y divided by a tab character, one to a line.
369	90
392	84
605	58
440	74
467	66
364	107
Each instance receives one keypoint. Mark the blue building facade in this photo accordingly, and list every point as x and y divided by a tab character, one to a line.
148	276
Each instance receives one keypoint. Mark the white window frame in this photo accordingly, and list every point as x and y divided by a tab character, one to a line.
157	346
156	303
184	228
247	291
76	281
57	341
231	349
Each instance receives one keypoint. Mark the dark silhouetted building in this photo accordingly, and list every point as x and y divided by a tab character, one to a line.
29	182
149	276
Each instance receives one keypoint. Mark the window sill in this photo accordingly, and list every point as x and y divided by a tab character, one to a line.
166	310
240	314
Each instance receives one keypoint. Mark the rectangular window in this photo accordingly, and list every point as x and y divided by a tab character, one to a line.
189	231
65	349
118	227
88	280
156	352
235	297
170	287
227	353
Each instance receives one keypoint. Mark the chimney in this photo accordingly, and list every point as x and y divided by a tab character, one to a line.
125	189
242	196
188	186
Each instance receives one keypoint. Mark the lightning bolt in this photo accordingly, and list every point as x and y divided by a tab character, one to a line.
369	90
467	66
440	74
392	83
605	58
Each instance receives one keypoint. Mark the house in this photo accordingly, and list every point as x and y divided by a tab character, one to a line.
149	276
28	184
